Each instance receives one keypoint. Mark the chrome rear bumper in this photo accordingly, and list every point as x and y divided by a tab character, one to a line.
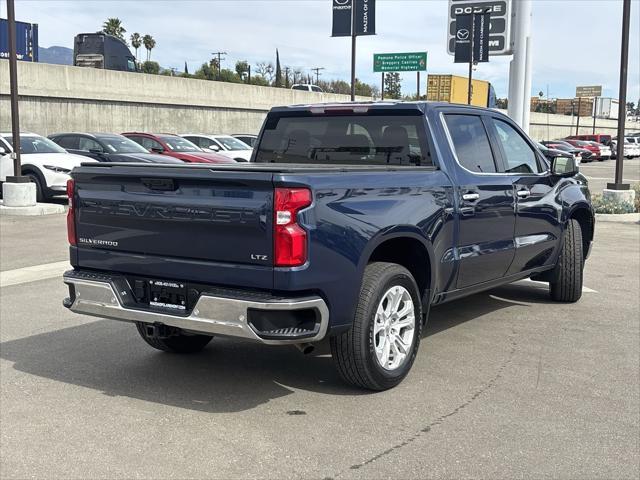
100	296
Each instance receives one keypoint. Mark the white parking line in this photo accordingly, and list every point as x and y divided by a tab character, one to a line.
33	273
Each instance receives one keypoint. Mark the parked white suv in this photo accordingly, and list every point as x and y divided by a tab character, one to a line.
43	161
225	145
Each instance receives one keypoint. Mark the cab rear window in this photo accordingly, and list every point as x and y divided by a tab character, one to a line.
345	140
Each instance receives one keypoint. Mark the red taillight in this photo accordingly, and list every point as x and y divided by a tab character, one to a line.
289	238
71	220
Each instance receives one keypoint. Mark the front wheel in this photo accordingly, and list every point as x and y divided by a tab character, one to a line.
170	339
566	285
33	178
379	349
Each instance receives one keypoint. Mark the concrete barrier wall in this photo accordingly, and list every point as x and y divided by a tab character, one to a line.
56	98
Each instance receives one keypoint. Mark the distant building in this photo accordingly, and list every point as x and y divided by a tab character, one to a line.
569	106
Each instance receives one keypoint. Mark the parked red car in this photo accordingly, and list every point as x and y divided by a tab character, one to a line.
593	148
176	147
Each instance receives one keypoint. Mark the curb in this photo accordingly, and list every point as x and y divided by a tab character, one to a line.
36	210
621	218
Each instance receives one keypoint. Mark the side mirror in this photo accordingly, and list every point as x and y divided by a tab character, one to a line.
564	166
214	147
157	149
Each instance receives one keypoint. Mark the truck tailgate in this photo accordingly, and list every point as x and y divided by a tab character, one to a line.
168	216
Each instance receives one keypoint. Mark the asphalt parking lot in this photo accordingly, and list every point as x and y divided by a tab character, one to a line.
506	384
601	173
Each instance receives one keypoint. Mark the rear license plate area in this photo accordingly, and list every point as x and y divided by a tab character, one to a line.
167	295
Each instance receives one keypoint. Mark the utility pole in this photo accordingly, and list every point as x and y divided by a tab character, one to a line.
595	111
578	117
13	86
249	74
219	55
622	110
317	70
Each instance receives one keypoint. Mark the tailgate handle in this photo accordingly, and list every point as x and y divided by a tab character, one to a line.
162	184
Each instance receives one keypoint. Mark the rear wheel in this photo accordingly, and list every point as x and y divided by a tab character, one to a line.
566	285
171	339
380	348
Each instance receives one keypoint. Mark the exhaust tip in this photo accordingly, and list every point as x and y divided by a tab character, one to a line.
305	348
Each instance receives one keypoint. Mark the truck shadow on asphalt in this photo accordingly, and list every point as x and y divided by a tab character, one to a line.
228	376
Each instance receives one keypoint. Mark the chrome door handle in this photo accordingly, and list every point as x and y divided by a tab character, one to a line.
524	193
470	197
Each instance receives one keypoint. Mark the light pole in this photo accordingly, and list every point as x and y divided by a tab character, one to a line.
13	86
624	65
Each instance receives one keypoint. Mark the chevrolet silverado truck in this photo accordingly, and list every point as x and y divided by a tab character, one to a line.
351	221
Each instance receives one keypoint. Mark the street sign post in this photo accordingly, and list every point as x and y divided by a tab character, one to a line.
499	41
400	62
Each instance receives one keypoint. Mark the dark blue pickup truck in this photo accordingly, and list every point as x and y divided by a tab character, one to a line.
350	222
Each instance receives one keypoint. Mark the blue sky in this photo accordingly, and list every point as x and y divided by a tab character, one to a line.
575	42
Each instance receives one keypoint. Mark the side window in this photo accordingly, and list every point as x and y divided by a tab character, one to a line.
471	143
86	144
519	156
150	143
68	142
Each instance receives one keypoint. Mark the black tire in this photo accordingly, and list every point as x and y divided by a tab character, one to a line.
176	343
354	350
34	178
566	285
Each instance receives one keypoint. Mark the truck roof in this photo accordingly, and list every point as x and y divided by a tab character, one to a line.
361	107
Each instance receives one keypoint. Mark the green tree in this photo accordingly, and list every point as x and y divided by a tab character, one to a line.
242	68
136	42
151	67
392	86
113	26
206	71
230	76
278	80
149	44
502	103
364	89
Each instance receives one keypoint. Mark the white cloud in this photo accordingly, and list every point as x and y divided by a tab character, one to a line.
575	42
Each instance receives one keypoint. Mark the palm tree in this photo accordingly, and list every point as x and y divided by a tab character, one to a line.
113	26
136	42
149	44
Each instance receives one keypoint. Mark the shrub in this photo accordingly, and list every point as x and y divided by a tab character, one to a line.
636	188
607	206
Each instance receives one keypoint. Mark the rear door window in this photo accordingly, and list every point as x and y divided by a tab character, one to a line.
87	144
471	143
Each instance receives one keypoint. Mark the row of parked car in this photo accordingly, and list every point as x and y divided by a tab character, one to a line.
48	161
587	148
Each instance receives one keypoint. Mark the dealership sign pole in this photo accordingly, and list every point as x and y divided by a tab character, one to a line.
472	41
353	18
